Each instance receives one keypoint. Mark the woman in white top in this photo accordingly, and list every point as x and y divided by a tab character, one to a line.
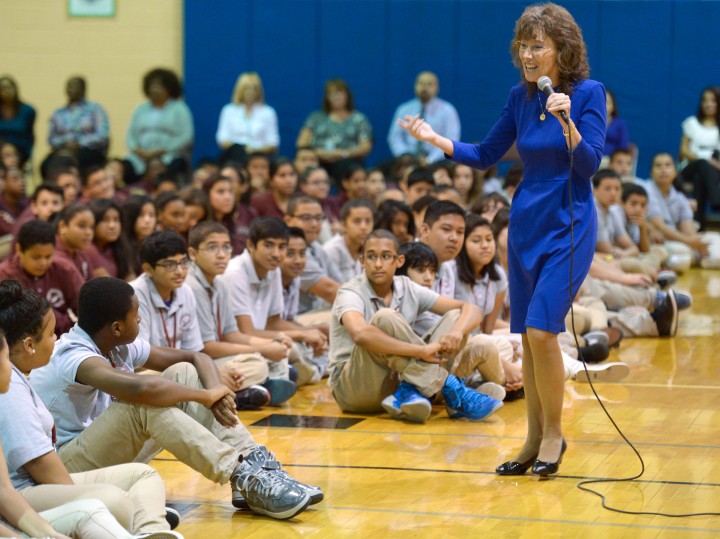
700	153
248	122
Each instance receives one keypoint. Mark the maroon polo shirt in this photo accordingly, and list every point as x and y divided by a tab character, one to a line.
81	259
266	206
60	286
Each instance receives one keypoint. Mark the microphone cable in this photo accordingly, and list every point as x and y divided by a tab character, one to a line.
582	485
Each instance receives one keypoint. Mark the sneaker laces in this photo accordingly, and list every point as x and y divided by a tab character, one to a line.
266	483
452	393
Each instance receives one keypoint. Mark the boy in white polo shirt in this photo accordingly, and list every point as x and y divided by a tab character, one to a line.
244	356
105	413
377	361
256	292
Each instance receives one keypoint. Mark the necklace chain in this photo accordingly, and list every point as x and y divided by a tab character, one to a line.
542	112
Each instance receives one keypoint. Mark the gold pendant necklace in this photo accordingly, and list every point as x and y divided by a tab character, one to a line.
542	112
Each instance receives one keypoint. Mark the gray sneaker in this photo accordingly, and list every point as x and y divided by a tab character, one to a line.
267	492
260	457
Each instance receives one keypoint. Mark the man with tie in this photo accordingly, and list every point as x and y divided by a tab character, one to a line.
437	112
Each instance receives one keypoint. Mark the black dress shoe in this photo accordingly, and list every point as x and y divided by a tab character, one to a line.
543	468
512	467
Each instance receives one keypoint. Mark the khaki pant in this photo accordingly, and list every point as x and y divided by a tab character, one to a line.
616	296
134	494
368	377
647	263
253	367
188	430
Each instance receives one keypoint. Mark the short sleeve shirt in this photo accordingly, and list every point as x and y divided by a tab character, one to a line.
409	299
26	428
673	208
609	226
212	301
317	266
175	325
444	285
249	294
73	405
291	299
484	292
337	251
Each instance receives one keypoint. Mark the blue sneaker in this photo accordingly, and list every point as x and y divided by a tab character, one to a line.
683	299
280	390
407	403
462	402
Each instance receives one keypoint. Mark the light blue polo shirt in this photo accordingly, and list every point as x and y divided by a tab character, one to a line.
73	405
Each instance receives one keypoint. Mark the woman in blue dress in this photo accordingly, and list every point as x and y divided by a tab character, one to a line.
544	256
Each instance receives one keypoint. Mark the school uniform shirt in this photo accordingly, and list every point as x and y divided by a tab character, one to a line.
610	228
291	299
172	324
337	251
357	295
82	259
673	208
265	205
9	216
60	286
317	266
104	258
631	229
249	294
444	285
214	315
74	406
27	428
484	291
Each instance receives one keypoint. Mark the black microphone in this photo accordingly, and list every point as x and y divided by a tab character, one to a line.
545	85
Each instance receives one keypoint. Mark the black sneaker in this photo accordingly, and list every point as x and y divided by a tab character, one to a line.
594	353
252	398
665	278
172	517
666	315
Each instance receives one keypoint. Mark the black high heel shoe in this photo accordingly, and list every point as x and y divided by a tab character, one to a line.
513	467
544	469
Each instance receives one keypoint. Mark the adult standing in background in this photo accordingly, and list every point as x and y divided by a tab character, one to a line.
17	119
435	111
247	125
541	248
80	127
338	131
162	127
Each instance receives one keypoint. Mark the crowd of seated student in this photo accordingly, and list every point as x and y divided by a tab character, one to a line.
264	274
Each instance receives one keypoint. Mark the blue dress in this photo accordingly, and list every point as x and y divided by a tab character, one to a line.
539	251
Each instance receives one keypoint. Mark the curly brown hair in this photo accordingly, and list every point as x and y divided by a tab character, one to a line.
556	23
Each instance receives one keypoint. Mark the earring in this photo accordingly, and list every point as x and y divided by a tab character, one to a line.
33	351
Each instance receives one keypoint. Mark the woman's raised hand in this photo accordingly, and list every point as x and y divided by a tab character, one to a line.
417	127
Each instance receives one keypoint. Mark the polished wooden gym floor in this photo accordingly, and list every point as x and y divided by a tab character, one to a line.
385	478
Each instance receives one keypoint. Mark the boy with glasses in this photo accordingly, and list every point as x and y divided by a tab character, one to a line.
240	358
167	305
377	361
